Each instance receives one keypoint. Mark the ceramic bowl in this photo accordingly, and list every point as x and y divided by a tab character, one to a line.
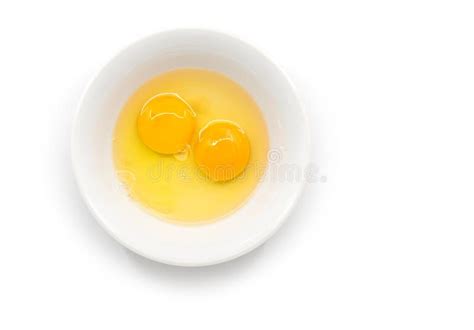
159	240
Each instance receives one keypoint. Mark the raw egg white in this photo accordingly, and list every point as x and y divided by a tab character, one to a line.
190	146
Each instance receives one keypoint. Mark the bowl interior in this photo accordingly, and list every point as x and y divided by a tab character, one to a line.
159	240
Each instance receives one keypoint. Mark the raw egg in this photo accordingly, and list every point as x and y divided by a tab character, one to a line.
190	146
222	151
166	123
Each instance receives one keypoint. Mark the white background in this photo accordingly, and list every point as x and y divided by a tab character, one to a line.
386	243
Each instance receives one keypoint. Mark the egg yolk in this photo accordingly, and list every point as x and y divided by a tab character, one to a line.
166	123
222	150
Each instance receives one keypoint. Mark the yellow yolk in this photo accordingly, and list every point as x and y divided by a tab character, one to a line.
166	123
222	151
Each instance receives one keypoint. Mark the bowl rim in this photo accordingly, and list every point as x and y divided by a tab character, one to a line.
283	216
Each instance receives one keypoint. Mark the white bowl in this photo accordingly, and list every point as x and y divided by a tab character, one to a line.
162	241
